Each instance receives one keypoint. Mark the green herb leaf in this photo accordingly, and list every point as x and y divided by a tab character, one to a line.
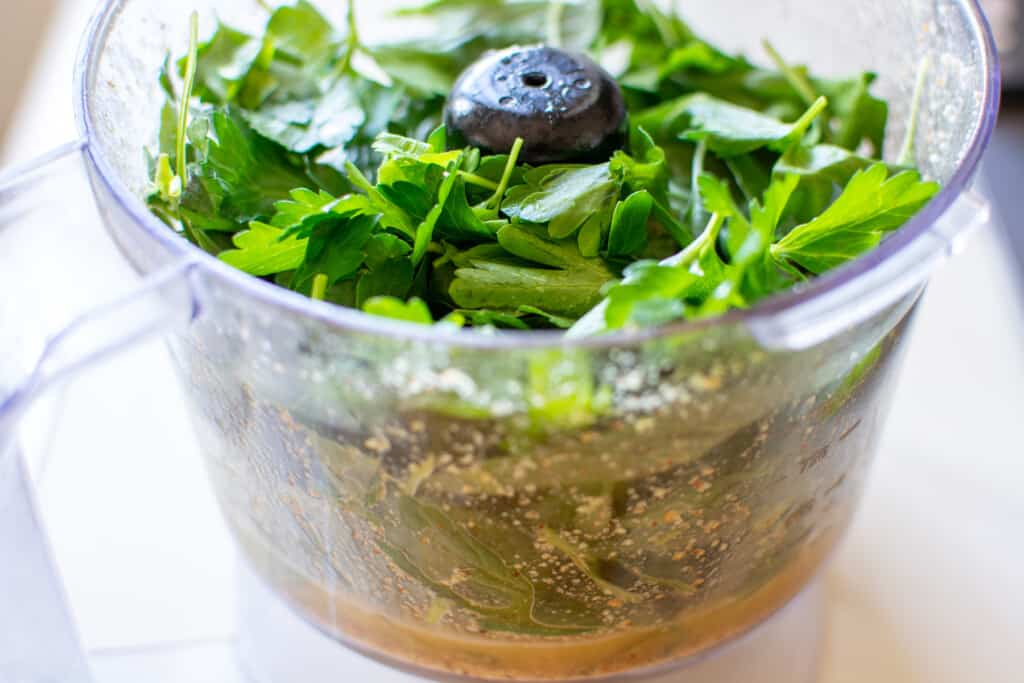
335	249
484	317
870	206
425	230
751	273
465	29
328	121
393	278
262	251
459	223
564	197
301	32
306	208
557	321
653	293
645	168
427	74
730	130
224	63
830	163
252	166
389	272
411	311
494	278
628	234
858	115
752	174
243	175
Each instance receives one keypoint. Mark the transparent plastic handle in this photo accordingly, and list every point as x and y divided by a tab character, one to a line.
38	638
165	302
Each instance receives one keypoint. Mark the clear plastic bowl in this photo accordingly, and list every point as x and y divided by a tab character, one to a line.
515	506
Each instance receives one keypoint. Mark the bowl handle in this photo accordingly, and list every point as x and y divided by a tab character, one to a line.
164	301
40	641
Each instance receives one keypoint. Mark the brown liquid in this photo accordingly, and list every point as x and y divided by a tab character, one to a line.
430	576
409	645
465	547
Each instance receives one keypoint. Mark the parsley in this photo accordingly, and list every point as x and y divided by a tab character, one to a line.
306	156
730	130
871	205
628	235
262	251
525	268
564	198
412	311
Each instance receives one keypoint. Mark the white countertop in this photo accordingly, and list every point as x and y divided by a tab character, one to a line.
929	587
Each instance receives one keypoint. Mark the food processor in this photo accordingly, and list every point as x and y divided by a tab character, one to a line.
469	505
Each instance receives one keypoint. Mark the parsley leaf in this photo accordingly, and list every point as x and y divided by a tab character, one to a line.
751	273
858	115
425	230
224	63
828	163
464	29
731	130
242	175
389	272
872	204
328	121
528	269
335	249
628	235
564	197
459	223
262	251
412	311
306	208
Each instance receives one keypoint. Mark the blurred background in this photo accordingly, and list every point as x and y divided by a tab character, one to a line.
25	23
939	533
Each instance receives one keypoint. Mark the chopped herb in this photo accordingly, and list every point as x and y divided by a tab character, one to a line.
308	157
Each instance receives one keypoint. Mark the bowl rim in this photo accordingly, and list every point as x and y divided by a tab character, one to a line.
339	317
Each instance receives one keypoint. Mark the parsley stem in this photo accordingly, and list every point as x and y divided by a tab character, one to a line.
700	246
397	218
319	288
186	95
696	171
811	115
667	26
478	180
797	80
197	236
352	40
494	203
554	23
909	149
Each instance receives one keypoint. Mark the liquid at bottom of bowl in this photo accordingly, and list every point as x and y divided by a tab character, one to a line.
433	652
632	545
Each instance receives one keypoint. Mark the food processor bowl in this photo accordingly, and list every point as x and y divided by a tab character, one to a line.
517	506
